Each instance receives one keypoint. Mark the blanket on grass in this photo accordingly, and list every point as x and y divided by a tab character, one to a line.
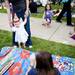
20	61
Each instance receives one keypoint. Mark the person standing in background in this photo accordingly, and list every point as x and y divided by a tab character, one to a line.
33	6
66	9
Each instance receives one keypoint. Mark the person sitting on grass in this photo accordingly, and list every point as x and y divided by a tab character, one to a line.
21	35
44	64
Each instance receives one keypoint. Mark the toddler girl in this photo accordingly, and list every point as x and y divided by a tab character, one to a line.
21	35
48	13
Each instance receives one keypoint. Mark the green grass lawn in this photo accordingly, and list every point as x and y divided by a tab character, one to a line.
40	45
5	38
3	11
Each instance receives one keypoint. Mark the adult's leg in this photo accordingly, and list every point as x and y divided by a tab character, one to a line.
13	38
13	33
27	27
69	16
61	14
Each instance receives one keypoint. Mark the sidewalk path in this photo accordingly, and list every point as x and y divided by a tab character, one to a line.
58	32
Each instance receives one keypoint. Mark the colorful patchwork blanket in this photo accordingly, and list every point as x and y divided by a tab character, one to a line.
20	61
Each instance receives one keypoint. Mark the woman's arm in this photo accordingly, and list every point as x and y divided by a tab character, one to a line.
27	8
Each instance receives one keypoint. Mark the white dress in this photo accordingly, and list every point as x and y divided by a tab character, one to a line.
20	33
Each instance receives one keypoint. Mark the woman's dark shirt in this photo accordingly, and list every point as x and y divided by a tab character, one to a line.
18	5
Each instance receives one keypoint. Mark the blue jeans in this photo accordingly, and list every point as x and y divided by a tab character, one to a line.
20	14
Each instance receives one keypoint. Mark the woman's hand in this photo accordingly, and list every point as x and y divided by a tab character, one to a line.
27	12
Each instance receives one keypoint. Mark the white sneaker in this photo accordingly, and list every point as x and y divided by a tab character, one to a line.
30	46
15	46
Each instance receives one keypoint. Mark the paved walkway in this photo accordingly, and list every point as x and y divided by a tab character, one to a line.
58	32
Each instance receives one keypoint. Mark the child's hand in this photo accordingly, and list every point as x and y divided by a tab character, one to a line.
10	23
25	20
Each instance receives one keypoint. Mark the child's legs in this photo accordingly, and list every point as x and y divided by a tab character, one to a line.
44	22
19	44
48	22
23	44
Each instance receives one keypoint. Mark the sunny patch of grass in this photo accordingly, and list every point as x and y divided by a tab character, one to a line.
40	45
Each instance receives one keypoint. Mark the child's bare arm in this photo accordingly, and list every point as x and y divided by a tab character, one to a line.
25	20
